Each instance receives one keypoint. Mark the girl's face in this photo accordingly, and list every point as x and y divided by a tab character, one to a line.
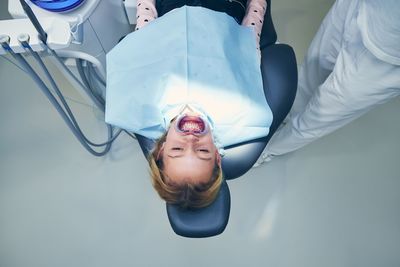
189	156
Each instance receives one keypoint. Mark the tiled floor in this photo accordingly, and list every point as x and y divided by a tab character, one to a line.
333	203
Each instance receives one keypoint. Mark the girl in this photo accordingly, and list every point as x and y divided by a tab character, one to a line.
201	89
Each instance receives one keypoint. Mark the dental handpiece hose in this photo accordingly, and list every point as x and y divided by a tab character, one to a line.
25	65
34	20
24	41
43	38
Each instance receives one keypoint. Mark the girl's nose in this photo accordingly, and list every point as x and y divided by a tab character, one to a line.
192	138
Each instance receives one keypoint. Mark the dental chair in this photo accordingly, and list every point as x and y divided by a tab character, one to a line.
279	73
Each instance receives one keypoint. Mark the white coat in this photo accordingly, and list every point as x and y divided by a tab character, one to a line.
352	65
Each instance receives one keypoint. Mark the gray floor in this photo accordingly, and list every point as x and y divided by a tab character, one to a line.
333	203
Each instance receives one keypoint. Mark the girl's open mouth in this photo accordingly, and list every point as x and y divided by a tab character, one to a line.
191	125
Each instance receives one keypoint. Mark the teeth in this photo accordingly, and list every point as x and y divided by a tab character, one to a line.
191	126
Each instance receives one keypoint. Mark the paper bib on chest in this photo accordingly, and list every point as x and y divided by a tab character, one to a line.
190	55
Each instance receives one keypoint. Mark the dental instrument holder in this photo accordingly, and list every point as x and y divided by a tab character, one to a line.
58	34
279	73
35	22
76	31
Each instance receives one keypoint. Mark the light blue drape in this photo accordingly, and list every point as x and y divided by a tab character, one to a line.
191	55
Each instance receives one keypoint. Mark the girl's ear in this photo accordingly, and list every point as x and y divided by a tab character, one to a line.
218	158
160	151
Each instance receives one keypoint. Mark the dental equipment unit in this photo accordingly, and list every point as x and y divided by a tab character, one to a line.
75	35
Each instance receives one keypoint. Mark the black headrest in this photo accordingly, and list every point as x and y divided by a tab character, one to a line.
203	222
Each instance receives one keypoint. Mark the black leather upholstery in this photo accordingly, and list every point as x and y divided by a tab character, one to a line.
279	71
268	33
196	223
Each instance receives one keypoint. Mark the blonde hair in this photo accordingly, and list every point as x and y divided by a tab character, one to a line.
186	195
